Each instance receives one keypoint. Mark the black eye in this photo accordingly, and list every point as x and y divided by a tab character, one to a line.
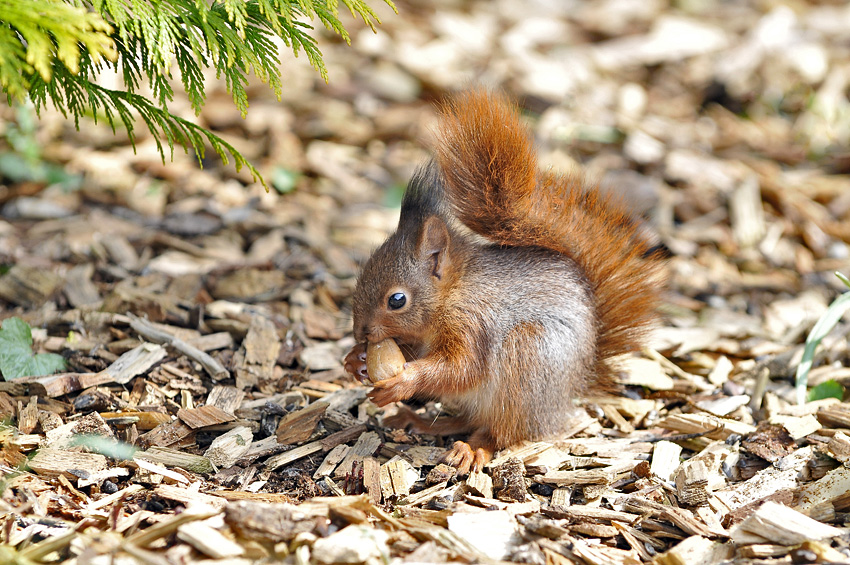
396	301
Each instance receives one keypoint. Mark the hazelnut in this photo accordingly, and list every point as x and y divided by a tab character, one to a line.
383	360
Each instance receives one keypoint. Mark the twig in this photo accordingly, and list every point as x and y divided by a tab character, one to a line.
149	332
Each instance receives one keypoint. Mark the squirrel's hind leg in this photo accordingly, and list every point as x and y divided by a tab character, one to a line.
406	418
474	454
471	455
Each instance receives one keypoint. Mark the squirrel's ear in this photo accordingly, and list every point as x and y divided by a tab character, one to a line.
434	245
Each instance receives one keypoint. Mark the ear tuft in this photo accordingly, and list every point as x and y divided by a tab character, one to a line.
434	245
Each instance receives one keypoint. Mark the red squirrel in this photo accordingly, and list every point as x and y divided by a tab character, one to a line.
509	289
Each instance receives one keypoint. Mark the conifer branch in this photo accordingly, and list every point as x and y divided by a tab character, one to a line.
52	51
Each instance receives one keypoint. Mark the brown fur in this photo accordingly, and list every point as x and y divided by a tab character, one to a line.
488	159
507	333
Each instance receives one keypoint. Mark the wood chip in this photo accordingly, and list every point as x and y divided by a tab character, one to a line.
353	544
267	522
747	213
228	448
54	386
712	427
835	415
424	495
135	362
833	487
782	476
524	452
695	549
594	530
602	476
176	458
111	499
28	286
665	459
561	497
372	479
509	481
365	446
677	516
480	483
212	342
142	420
166	434
288	457
26	442
256	358
189	497
168	526
769	442
720	372
797	427
71	464
204	416
648	373
397	476
584	512
28	416
154	470
776	523
692	483
492	533
226	398
839	447
209	541
299	425
79	288
331	460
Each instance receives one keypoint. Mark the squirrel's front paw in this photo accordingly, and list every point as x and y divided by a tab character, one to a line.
395	389
355	362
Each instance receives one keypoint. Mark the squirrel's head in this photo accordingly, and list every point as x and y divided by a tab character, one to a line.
398	290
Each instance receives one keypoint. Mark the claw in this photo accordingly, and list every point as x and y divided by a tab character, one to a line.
355	363
459	456
464	458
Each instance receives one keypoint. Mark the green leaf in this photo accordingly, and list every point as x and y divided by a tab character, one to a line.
823	326
283	180
109	447
827	389
16	356
16	169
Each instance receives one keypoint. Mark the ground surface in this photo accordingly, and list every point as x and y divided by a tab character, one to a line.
725	123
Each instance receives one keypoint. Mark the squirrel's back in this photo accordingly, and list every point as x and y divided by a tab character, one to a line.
494	187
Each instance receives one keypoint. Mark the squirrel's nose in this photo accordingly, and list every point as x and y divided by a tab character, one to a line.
361	333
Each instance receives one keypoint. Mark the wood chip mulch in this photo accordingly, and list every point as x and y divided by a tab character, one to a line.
204	416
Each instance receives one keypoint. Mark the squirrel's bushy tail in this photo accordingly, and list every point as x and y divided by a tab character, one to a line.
487	157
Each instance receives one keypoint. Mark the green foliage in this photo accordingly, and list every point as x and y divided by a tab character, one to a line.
823	326
24	162
110	447
284	180
39	34
16	356
827	389
53	50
